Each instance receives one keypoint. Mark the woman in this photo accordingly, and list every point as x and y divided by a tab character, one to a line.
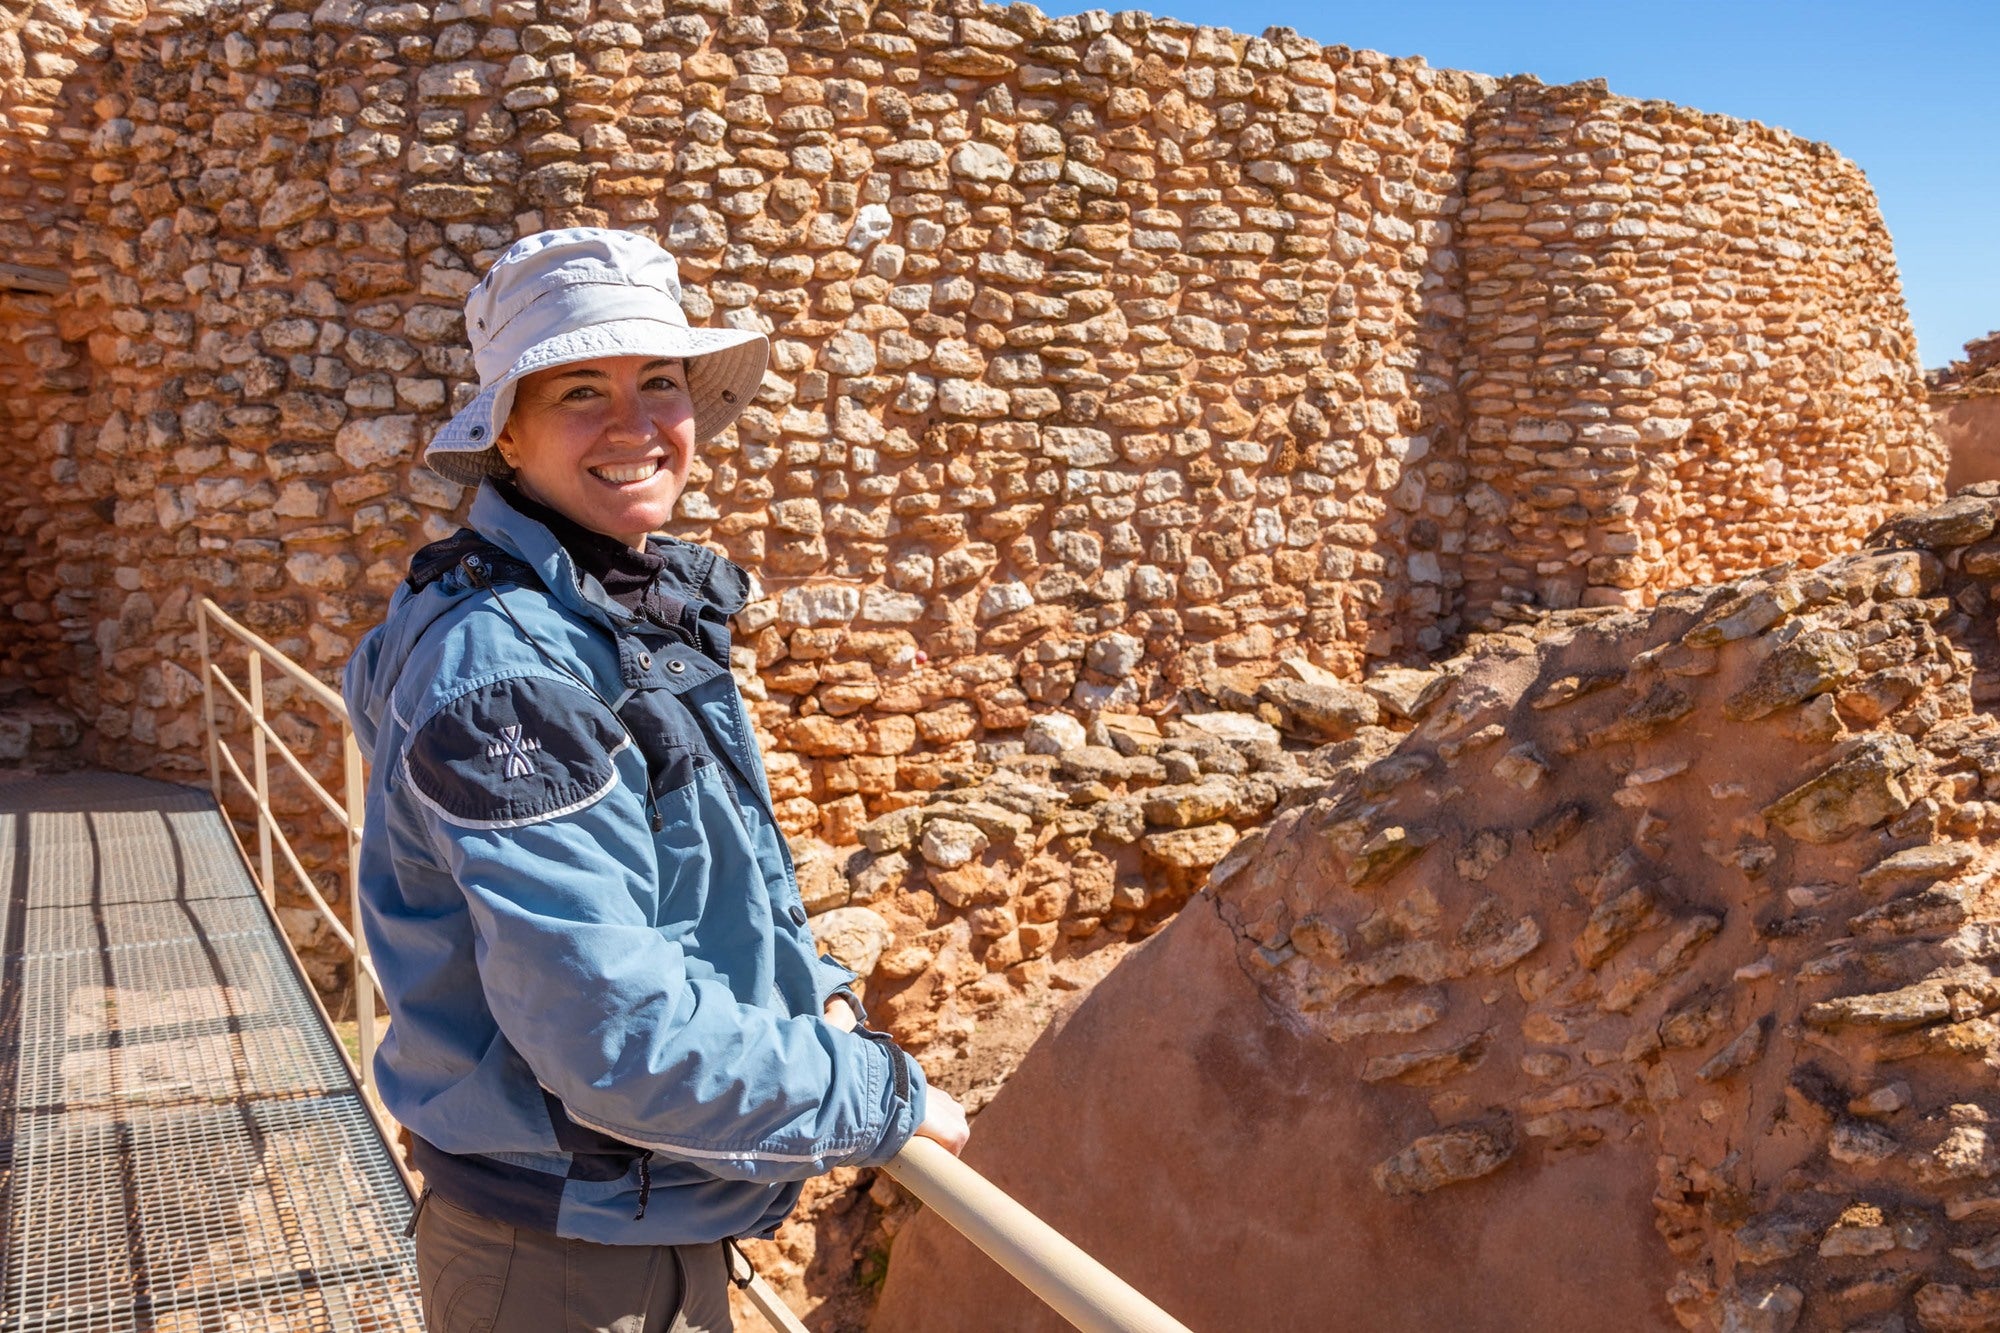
611	1037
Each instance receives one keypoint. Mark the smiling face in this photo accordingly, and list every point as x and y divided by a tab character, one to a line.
606	443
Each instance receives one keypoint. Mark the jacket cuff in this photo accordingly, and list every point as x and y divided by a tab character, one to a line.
910	1094
835	979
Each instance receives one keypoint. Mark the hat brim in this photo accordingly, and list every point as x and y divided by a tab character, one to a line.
725	369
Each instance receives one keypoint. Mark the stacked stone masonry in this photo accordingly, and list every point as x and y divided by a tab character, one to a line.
1099	342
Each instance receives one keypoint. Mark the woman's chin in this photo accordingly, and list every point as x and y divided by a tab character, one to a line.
639	515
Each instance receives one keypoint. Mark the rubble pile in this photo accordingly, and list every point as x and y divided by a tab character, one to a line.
1023	871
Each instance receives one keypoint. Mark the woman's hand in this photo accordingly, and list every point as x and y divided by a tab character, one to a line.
840	1013
944	1120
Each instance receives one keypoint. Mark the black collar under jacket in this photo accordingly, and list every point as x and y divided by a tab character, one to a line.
684	589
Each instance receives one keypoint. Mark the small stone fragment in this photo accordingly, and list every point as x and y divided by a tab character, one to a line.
1320	711
1388	851
1431	1067
1741	1051
1466	1152
1190	848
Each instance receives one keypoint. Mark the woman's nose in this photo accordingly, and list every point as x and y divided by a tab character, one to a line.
631	421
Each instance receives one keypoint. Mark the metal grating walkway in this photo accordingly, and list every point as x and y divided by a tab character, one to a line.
182	1149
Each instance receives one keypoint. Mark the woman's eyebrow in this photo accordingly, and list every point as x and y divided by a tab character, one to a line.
585	372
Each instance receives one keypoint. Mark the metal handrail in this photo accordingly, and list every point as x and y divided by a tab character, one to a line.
1054	1268
347	812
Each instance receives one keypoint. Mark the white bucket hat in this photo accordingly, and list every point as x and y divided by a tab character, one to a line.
576	294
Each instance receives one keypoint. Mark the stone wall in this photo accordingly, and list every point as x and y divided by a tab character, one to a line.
1965	411
1116	362
1107	350
1687	354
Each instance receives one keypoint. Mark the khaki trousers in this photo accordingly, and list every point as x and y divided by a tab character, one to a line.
482	1276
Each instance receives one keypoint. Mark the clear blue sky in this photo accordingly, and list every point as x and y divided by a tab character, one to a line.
1909	90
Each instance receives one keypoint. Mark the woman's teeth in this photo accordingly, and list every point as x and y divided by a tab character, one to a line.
627	473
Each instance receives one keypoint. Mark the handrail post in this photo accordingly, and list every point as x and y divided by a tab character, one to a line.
354	787
262	772
208	700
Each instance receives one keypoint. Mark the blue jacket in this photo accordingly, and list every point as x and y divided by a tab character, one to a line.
605	1006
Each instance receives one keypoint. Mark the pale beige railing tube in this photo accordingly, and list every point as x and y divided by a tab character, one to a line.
1048	1263
260	756
208	702
347	811
354	787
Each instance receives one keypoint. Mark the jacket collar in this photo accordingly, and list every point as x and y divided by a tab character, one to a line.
695	573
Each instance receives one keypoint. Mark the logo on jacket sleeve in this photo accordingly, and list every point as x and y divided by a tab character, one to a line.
515	751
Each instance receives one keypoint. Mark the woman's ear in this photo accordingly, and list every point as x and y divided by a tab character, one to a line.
503	444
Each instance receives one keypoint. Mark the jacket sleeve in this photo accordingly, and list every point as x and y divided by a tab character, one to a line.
533	800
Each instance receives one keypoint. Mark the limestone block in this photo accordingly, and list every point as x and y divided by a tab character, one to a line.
371	442
1191	849
1053	734
950	843
854	936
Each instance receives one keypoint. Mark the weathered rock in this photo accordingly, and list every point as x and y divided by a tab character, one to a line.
1956	522
1914	867
1749	613
1809	665
1946	1307
1861	789
948	843
1190	848
1403	692
822	885
1773	1309
1911	1006
1321	712
892	832
1231	727
1187	805
1101	763
1054	733
1437	1160
881	875
855	936
1427	1068
1386	852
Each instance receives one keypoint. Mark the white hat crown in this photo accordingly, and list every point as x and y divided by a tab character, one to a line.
578	294
628	269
